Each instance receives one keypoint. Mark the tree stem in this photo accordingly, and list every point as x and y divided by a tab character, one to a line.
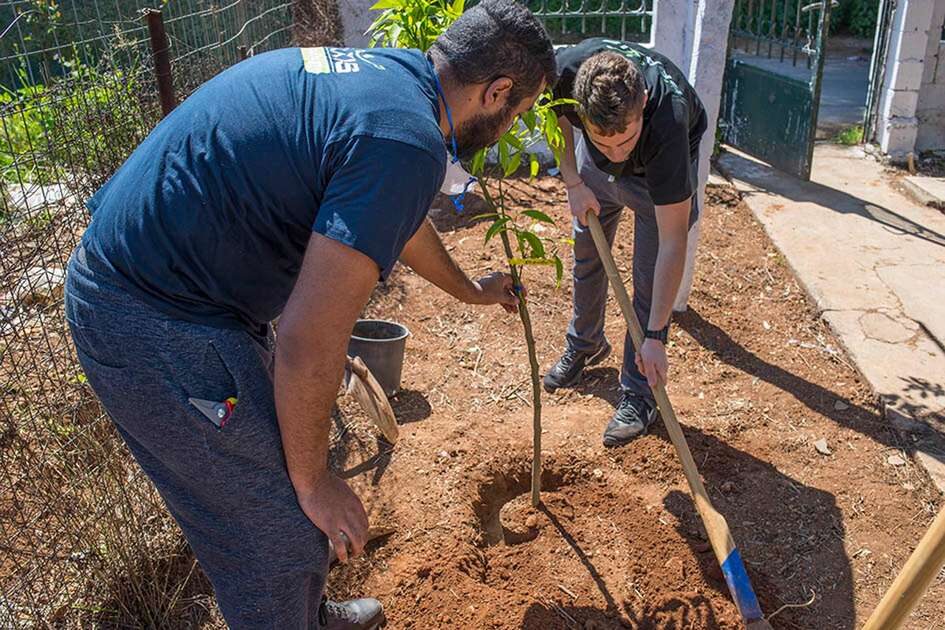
530	343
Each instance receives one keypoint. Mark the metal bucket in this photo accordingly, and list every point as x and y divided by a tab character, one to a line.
380	344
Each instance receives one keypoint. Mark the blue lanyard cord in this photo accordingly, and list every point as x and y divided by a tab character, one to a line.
456	199
449	115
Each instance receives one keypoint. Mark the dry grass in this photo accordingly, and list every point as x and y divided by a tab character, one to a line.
317	23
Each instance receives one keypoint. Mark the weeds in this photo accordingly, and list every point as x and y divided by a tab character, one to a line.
850	136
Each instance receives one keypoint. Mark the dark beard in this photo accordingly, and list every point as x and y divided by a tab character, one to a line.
480	131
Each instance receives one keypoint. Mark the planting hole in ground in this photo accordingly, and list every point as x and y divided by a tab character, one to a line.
503	505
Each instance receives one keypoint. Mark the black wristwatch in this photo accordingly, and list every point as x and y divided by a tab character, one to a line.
661	335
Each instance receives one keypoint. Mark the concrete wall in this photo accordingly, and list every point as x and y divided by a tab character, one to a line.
908	44
356	17
930	108
706	51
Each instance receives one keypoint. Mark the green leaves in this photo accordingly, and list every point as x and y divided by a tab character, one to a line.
478	163
538	215
412	23
534	243
387	4
496	227
512	164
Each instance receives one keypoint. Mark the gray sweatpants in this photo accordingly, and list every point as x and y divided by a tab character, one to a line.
227	488
586	331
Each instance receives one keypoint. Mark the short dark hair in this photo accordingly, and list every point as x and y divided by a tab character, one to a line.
609	91
498	38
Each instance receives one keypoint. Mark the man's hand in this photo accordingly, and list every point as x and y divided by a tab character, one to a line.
495	288
652	362
582	200
336	510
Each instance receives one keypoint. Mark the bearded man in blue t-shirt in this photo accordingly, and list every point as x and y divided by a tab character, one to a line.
284	187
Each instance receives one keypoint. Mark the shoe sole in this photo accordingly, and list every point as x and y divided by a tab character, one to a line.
599	357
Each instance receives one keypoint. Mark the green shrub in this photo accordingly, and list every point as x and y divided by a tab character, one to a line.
850	135
855	17
84	122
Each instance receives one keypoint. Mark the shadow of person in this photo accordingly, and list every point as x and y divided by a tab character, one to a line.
761	175
583	557
816	397
789	534
602	382
410	406
681	611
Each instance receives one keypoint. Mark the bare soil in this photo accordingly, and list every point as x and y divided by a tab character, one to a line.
756	378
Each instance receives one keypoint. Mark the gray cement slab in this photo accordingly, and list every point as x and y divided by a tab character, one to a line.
929	191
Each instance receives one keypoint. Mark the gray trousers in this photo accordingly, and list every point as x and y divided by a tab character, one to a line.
228	488
586	331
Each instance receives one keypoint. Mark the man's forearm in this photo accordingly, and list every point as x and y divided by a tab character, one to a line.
332	289
305	390
426	255
569	170
670	263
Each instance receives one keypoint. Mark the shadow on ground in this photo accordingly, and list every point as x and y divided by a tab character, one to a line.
760	503
371	452
866	420
836	200
410	405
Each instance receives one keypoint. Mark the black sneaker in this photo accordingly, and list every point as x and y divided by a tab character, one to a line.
632	418
567	371
355	614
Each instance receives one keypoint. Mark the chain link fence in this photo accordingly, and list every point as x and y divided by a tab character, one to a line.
84	539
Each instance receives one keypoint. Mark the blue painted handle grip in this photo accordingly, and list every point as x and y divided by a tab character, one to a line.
740	586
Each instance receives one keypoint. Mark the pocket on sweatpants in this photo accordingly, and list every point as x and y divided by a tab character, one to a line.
208	381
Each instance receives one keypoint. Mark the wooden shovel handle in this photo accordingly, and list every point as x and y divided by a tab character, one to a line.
914	579
716	527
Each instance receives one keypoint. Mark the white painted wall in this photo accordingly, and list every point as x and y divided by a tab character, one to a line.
930	107
708	48
908	44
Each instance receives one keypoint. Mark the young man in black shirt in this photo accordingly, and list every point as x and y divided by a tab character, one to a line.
641	125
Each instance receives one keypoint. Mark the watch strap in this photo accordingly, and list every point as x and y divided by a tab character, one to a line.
660	335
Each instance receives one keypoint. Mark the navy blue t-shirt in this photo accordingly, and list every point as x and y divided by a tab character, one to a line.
209	218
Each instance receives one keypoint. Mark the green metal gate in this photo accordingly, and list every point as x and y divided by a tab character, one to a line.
773	77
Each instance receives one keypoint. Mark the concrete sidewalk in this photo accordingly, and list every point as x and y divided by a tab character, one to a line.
873	260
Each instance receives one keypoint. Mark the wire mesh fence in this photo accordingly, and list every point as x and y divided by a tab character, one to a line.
84	539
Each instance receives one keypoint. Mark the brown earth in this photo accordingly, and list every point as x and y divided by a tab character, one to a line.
756	378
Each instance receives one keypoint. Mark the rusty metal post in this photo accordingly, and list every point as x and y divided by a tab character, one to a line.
160	50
